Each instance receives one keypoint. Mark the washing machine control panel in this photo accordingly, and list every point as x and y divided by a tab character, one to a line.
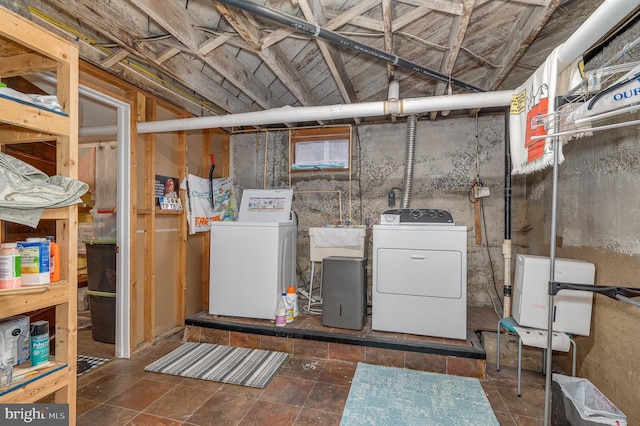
417	216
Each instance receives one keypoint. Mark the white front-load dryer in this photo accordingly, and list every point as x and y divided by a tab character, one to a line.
420	279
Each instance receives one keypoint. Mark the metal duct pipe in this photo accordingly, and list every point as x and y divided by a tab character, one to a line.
329	112
408	167
316	31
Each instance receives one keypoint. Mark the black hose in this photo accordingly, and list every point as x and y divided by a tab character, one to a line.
333	37
610	89
507	177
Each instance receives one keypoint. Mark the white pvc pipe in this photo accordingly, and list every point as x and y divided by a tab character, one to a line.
599	23
394	91
456	102
289	114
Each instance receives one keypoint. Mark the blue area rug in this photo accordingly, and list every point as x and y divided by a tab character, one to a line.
397	396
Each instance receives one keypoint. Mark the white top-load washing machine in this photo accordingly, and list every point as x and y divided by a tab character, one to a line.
253	259
420	274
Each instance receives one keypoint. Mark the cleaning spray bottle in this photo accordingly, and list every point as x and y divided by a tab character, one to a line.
281	313
288	306
292	298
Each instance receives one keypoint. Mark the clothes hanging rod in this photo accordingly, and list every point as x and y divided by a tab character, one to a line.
586	130
623	294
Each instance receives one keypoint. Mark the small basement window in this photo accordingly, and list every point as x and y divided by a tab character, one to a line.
320	149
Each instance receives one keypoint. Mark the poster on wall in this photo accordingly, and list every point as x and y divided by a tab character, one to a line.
166	193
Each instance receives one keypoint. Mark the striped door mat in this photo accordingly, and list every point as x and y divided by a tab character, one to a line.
219	363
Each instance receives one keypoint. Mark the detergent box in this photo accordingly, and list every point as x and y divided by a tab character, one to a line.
14	340
35	261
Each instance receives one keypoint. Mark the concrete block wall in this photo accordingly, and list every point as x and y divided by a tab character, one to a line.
598	220
449	154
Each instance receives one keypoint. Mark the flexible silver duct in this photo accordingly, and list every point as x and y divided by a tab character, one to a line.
408	168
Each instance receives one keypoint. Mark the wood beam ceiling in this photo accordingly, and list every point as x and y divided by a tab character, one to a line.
456	37
525	31
118	29
176	20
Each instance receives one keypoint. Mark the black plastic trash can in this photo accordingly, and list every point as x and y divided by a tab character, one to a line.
101	283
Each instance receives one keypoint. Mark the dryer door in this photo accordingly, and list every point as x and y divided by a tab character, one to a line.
416	272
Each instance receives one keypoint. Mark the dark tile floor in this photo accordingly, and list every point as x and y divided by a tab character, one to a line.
306	391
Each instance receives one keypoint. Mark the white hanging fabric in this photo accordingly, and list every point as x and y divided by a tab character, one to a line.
200	209
531	107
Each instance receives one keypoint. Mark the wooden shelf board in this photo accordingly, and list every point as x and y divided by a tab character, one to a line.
25	300
36	387
59	213
33	118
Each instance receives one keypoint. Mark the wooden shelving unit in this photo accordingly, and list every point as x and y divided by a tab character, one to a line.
26	48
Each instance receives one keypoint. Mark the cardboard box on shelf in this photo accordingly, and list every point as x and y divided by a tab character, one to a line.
14	340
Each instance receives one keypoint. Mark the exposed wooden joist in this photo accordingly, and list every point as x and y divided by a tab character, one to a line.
330	54
213	43
167	54
445	6
387	19
370	24
334	23
114	58
185	70
276	36
525	31
533	2
177	20
456	37
348	15
272	56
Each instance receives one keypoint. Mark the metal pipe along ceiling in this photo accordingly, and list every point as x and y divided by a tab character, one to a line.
333	37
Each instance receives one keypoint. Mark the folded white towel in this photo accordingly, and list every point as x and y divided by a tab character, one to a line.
26	191
337	237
